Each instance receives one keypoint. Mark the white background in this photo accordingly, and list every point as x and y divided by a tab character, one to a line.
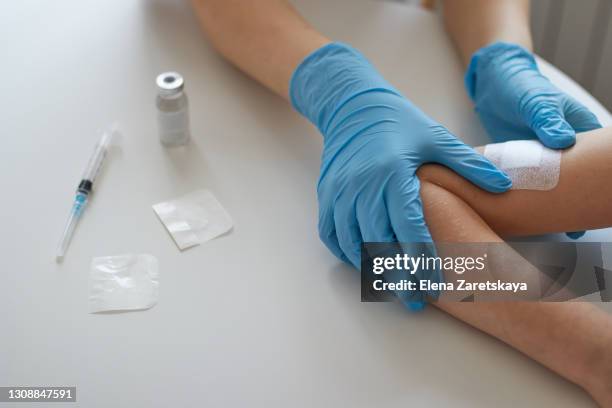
264	316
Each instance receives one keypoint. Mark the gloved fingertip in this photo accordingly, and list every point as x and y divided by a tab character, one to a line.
505	183
556	133
416	306
489	178
561	142
580	117
575	234
499	182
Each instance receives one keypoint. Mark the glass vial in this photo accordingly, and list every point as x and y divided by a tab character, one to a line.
172	109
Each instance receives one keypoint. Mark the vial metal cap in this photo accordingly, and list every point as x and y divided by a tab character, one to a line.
170	82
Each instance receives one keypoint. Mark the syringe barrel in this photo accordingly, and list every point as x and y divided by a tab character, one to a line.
95	163
97	159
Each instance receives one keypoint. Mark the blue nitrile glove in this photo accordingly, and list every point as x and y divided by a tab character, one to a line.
374	142
515	101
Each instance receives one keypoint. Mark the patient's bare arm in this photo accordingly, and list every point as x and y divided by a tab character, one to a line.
267	39
572	339
581	200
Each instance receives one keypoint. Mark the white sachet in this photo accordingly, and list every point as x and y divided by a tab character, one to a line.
123	282
194	218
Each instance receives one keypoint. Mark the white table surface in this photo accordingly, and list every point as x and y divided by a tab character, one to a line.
264	316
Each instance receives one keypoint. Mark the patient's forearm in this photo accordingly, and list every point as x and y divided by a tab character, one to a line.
267	39
473	24
580	201
573	339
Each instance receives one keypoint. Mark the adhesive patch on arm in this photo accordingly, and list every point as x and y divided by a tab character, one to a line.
529	164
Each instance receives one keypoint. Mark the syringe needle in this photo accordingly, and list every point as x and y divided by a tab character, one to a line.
80	202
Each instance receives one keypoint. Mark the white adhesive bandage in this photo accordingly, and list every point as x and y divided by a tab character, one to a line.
123	282
194	218
529	164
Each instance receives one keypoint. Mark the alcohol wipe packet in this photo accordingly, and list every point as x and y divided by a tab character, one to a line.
123	282
194	218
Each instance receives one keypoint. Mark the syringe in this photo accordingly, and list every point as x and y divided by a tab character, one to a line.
84	189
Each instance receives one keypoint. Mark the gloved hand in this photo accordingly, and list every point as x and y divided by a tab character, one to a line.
515	101
374	142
